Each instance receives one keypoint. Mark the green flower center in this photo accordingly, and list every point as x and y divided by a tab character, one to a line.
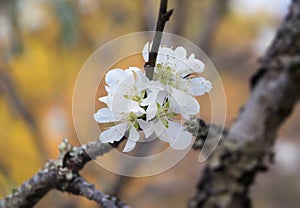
168	76
164	113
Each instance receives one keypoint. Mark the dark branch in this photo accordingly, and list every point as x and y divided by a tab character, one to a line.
62	174
81	187
163	16
247	148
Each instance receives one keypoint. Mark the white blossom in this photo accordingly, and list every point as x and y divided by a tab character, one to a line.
135	103
123	101
173	77
165	127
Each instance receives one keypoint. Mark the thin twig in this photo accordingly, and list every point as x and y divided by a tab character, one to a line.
163	16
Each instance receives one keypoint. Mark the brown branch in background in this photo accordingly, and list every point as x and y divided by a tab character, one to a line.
247	148
180	17
217	11
9	90
8	86
17	44
163	16
147	20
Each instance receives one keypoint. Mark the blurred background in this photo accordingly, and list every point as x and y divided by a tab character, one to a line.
43	45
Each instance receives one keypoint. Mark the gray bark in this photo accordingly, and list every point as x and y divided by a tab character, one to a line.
247	147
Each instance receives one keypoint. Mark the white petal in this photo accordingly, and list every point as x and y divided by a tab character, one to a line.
176	136
142	81
104	115
171	132
183	70
183	141
135	108
155	85
151	98
133	134
199	86
187	103
192	108
103	99
146	127
159	128
107	100
196	64
132	139
126	87
120	105
182	67
146	50
151	111
165	55
109	90
130	145
133	69
180	52
114	77
114	133
161	97
179	96
174	106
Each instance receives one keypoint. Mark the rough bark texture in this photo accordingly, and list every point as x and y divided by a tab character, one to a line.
62	174
247	147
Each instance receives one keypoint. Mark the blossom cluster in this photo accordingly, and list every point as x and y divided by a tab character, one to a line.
136	104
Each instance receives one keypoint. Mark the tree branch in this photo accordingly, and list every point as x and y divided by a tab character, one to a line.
62	174
81	187
163	16
244	152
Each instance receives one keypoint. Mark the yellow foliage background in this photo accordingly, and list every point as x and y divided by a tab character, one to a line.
42	55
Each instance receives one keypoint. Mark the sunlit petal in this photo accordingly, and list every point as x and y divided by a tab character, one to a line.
114	77
132	139
146	127
113	134
104	115
196	64
130	145
200	85
159	128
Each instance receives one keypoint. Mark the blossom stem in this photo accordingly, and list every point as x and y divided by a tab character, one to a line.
163	16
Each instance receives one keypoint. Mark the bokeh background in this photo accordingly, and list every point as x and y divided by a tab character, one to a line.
43	45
